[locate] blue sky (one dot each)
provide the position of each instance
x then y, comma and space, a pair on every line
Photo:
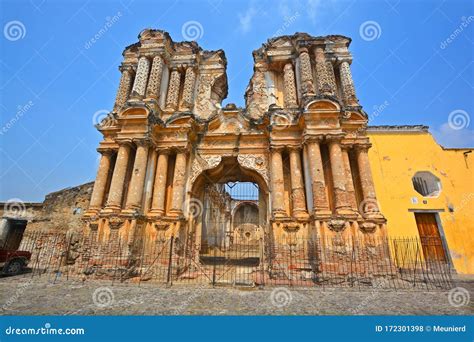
405, 68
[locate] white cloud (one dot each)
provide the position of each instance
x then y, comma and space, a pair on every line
313, 8
448, 137
246, 19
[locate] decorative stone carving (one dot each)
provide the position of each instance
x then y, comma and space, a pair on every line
154, 83
202, 163
161, 225
290, 87
331, 77
188, 90
321, 73
347, 84
173, 90
124, 87
291, 227
139, 85
115, 222
367, 227
337, 225
306, 74
257, 163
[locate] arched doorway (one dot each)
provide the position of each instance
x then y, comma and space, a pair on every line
233, 215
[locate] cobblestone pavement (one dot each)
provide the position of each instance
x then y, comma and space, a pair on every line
40, 296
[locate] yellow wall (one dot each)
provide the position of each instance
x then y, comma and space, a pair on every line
395, 157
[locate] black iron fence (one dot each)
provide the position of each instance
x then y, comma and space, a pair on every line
346, 262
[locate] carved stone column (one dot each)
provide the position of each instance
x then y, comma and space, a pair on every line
159, 187
290, 87
338, 175
150, 177
350, 190
188, 89
179, 181
347, 84
323, 82
124, 87
114, 202
318, 183
297, 185
173, 90
154, 82
137, 182
100, 184
306, 73
141, 79
369, 205
331, 76
278, 189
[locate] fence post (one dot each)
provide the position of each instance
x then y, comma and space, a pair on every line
262, 263
214, 267
414, 268
169, 280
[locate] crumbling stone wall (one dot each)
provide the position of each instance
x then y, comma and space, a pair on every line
61, 211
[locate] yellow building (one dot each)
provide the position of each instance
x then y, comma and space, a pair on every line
425, 190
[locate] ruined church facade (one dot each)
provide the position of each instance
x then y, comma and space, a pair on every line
170, 150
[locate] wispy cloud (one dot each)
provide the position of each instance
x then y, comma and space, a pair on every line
316, 11
246, 19
313, 7
448, 137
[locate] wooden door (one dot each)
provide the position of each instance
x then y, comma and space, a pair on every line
431, 242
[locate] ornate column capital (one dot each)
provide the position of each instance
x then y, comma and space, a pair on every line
142, 142
362, 146
303, 49
334, 137
126, 67
307, 139
288, 66
124, 142
181, 149
277, 148
346, 146
294, 148
106, 151
163, 150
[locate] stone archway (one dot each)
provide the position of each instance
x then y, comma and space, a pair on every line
216, 195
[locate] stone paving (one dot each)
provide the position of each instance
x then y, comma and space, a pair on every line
40, 296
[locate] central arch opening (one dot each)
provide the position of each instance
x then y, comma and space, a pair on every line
233, 218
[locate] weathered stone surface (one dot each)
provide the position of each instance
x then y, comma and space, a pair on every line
41, 297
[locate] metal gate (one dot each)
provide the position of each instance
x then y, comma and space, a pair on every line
232, 230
